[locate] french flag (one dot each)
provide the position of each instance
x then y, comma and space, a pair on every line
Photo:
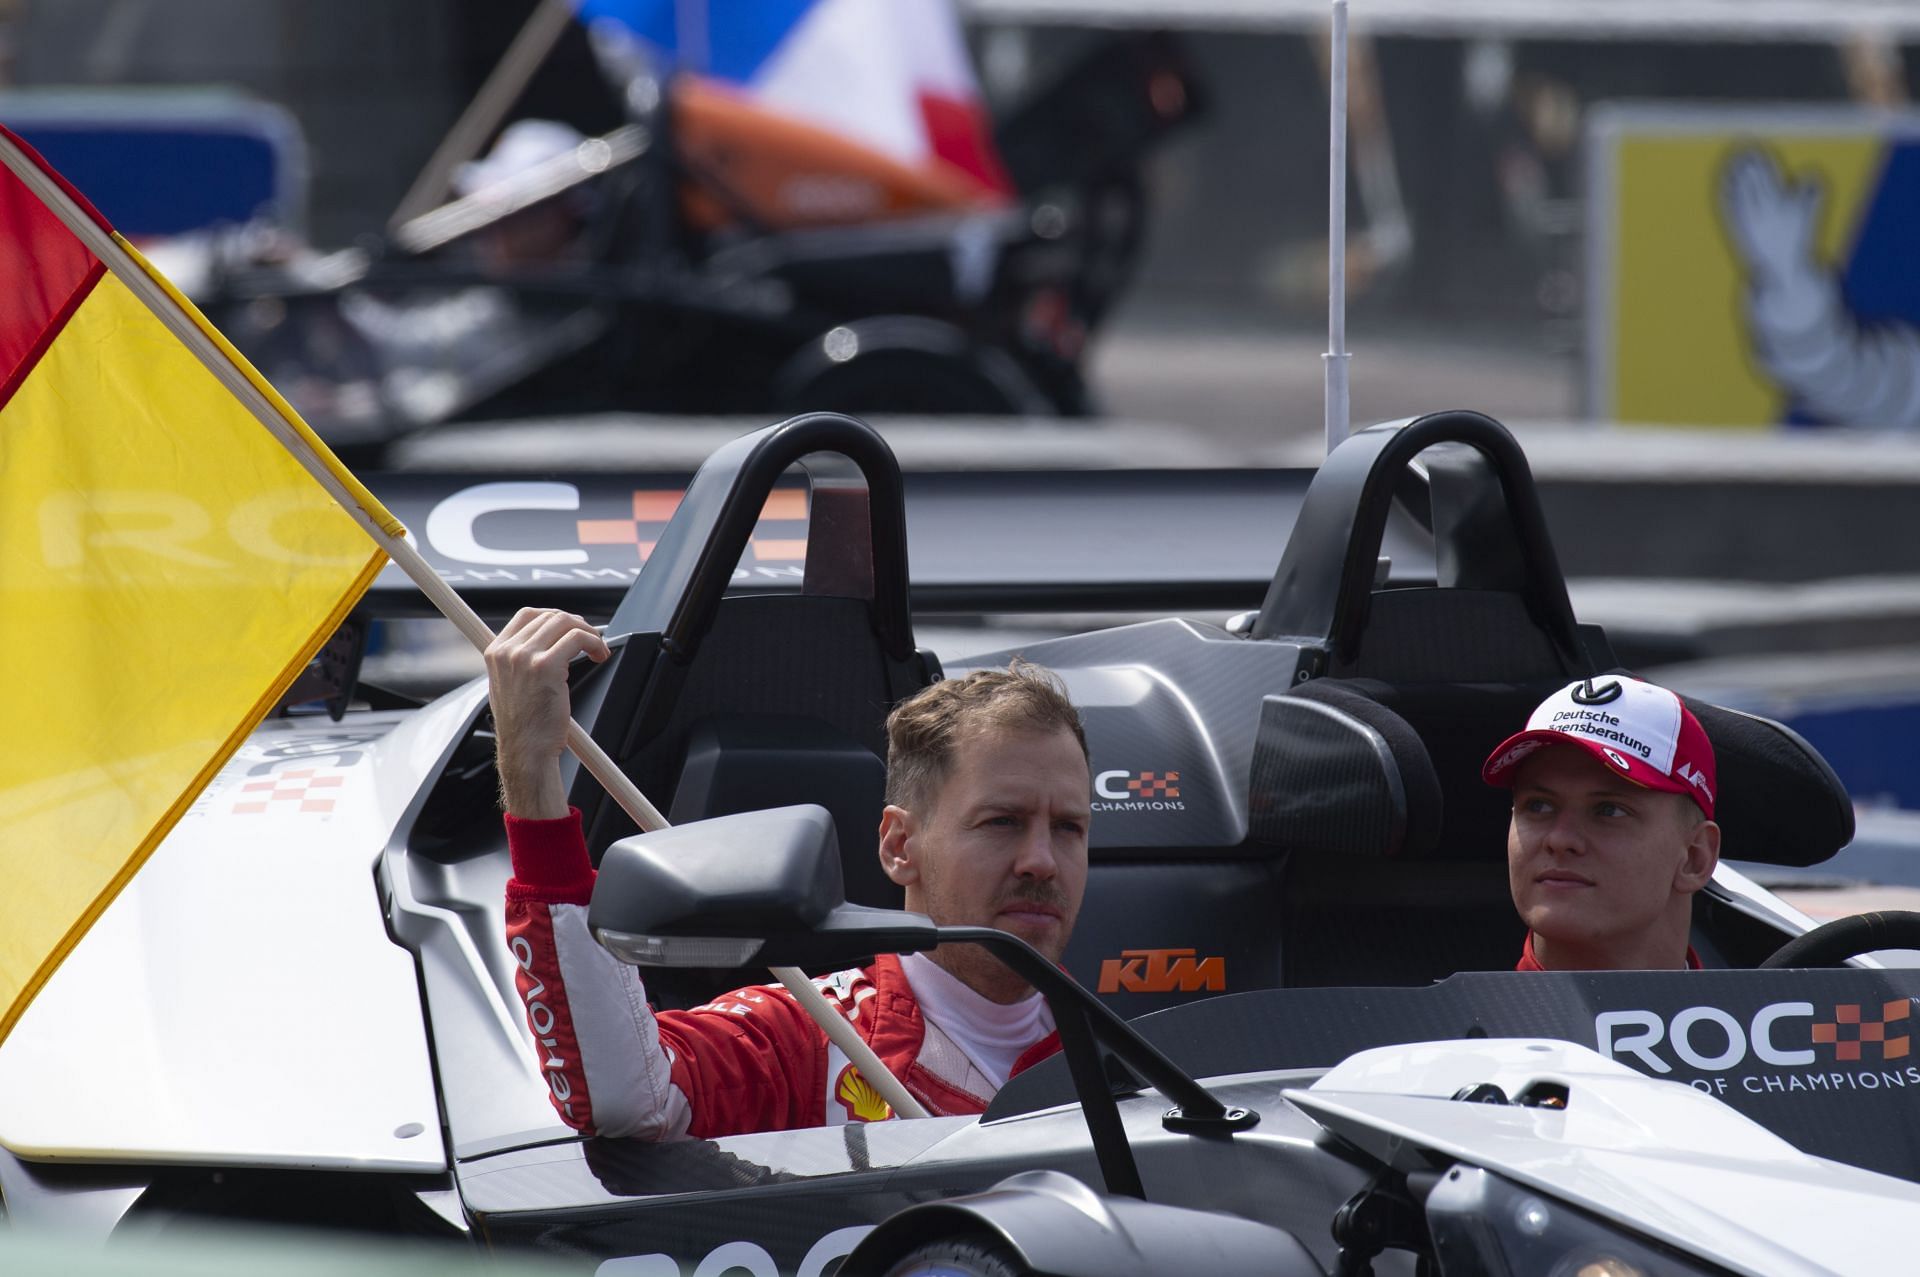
892, 75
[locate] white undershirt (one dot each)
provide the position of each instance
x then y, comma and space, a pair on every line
991, 1034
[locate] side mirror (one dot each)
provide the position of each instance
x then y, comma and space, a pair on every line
760, 887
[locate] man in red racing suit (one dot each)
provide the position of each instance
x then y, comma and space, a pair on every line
985, 825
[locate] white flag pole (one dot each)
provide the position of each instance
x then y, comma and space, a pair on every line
602, 768
1337, 357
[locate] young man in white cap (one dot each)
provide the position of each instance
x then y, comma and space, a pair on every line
1612, 832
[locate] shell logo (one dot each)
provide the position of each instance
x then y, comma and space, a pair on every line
859, 1099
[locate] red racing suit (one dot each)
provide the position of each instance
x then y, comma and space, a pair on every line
751, 1060
1530, 963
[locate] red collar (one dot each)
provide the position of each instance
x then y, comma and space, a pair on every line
1530, 963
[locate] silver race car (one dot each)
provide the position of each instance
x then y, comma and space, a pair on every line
1294, 1041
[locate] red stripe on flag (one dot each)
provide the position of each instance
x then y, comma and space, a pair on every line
46, 270
48, 331
959, 133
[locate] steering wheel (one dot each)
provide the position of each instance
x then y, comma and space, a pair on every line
1832, 943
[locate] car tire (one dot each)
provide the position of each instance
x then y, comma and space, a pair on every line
960, 1258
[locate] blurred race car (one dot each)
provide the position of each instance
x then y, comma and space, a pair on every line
713, 256
302, 1009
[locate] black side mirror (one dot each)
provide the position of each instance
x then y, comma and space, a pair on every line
760, 887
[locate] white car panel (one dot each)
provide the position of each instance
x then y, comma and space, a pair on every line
241, 1002
1660, 1157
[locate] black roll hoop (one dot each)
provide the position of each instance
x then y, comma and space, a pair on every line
1319, 599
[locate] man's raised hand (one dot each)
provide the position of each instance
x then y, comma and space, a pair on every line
527, 677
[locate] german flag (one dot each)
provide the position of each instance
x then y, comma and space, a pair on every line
175, 545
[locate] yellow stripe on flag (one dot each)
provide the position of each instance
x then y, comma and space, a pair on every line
365, 499
167, 568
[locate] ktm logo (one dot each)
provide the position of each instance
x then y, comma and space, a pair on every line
1162, 971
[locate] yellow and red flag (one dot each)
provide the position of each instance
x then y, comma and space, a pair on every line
174, 546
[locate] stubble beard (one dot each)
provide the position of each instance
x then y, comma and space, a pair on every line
983, 971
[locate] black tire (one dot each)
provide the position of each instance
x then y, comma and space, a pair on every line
957, 1258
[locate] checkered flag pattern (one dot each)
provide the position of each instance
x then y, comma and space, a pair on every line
1155, 785
1849, 1029
303, 789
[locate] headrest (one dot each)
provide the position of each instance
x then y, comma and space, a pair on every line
1779, 802
1364, 767
1336, 771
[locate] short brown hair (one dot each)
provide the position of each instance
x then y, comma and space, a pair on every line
923, 729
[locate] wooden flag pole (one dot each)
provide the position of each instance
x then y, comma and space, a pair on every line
231, 370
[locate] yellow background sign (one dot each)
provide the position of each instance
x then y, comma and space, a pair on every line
1718, 245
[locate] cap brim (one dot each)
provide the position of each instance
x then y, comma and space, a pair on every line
1511, 752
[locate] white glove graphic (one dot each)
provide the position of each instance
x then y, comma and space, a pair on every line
1802, 333
1772, 221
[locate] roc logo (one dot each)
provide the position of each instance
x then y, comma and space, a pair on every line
1162, 971
771, 543
302, 789
1135, 791
859, 1099
1712, 1040
1847, 1031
